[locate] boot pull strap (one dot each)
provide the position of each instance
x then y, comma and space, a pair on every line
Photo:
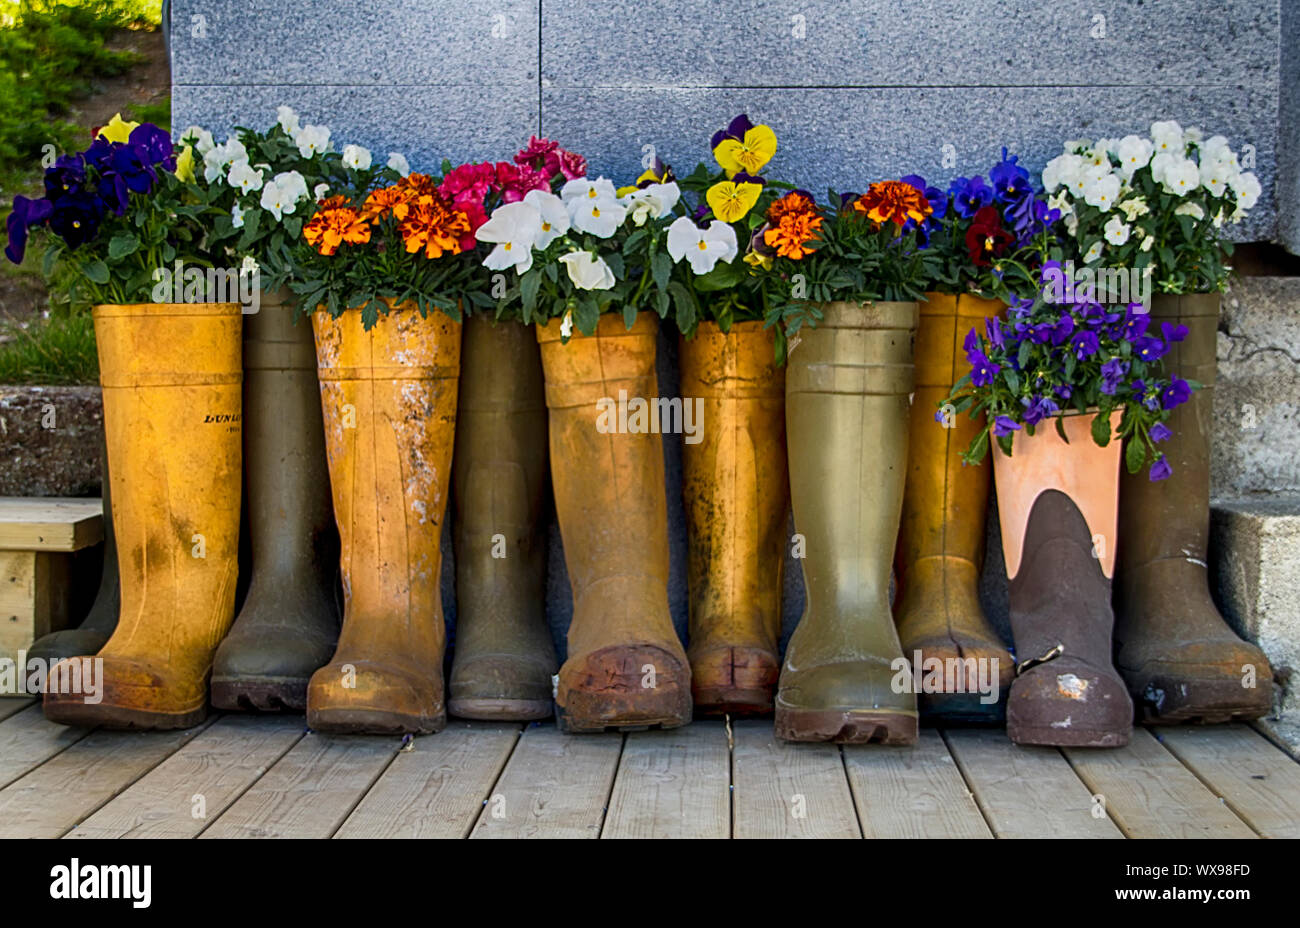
1033, 662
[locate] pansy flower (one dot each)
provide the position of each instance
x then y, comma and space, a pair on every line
731, 200
743, 146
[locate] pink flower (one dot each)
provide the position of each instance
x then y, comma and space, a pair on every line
473, 210
538, 153
468, 183
514, 181
572, 165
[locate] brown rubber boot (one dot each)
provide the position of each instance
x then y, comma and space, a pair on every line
504, 657
289, 623
847, 385
389, 402
736, 492
626, 667
171, 380
1180, 659
96, 628
941, 537
1057, 506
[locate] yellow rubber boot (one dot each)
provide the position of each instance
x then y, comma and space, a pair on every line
172, 403
737, 497
941, 538
389, 402
626, 667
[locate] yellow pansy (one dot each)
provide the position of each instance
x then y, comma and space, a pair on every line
754, 259
730, 201
118, 129
185, 165
748, 154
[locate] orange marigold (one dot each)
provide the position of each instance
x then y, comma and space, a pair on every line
335, 224
395, 200
434, 225
893, 201
796, 202
793, 220
422, 185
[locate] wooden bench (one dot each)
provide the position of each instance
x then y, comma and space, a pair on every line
37, 539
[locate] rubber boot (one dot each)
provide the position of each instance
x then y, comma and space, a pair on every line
389, 402
736, 490
94, 631
504, 657
289, 623
171, 381
625, 668
1179, 657
847, 392
1057, 507
941, 538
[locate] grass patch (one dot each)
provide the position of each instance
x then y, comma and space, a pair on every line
54, 351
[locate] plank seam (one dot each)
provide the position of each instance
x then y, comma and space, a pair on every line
609, 792
240, 795
371, 785
1208, 785
986, 814
84, 733
474, 820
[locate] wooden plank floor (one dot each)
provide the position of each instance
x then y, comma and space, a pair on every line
251, 776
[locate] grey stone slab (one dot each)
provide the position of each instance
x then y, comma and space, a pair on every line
809, 43
1289, 131
426, 123
849, 137
469, 43
1257, 395
1255, 569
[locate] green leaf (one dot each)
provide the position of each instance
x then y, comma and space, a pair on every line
629, 315
529, 285
1060, 429
661, 267
1101, 429
722, 277
97, 271
1135, 455
615, 262
121, 245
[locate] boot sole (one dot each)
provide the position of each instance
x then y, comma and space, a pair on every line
78, 713
1067, 737
354, 721
737, 701
1203, 702
501, 710
264, 694
846, 726
575, 725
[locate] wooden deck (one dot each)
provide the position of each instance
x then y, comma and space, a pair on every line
248, 776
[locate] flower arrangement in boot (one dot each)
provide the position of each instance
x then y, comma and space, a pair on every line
1157, 202
989, 237
117, 214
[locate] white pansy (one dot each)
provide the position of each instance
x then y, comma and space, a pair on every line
276, 200
514, 228
1134, 207
1097, 156
554, 217
319, 193
566, 324
1167, 137
1190, 209
1060, 201
312, 140
702, 248
1247, 190
1061, 170
1182, 177
582, 187
1215, 176
287, 119
1192, 135
249, 265
1147, 243
356, 157
1217, 221
1116, 231
397, 161
293, 184
651, 202
237, 216
1134, 154
1102, 192
1072, 224
219, 159
593, 206
587, 271
1077, 146
201, 139
1093, 253
244, 178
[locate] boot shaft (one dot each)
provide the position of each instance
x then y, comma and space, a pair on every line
172, 406
294, 541
1171, 518
847, 388
388, 398
613, 508
735, 484
945, 503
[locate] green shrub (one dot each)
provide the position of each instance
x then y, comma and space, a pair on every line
52, 351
